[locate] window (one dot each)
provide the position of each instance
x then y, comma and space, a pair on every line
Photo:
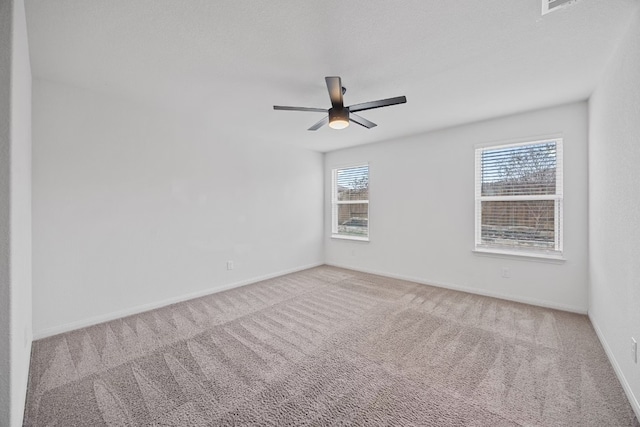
519, 198
350, 203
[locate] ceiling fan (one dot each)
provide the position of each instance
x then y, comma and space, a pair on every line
338, 115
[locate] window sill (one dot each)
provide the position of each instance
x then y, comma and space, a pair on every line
343, 237
533, 256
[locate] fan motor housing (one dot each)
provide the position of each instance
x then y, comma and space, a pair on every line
338, 118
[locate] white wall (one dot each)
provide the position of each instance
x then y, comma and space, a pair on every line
15, 211
422, 211
135, 207
614, 209
6, 25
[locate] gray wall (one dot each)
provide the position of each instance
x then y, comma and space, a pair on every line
5, 205
421, 211
614, 209
135, 206
15, 211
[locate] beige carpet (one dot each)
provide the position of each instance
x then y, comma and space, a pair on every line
328, 346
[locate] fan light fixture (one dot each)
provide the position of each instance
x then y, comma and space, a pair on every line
338, 119
339, 115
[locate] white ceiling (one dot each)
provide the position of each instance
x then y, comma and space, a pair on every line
456, 61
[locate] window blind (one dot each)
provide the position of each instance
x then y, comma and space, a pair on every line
350, 202
519, 196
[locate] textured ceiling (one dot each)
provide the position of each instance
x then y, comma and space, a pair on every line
456, 61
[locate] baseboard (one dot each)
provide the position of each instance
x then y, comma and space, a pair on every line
67, 327
531, 301
616, 367
18, 407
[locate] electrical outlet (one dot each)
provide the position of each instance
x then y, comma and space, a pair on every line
229, 265
506, 273
634, 350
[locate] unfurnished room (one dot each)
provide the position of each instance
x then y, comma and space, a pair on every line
369, 213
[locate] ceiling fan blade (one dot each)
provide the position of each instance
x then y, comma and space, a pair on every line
334, 85
377, 104
321, 123
361, 121
318, 110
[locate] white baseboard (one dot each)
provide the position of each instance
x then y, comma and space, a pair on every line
515, 298
17, 406
616, 367
67, 327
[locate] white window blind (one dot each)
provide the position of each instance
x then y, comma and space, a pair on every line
350, 202
519, 197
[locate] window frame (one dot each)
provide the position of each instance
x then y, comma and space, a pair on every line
335, 203
557, 253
